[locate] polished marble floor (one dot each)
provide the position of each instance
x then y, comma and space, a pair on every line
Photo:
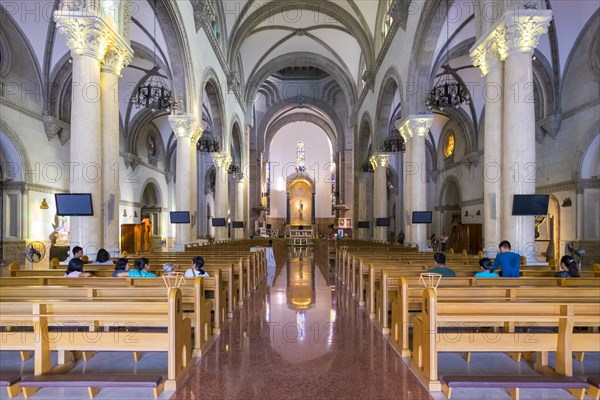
295, 339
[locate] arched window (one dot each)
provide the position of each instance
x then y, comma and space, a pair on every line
449, 144
388, 20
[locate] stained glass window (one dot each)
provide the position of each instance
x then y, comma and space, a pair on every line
450, 143
388, 20
300, 156
333, 188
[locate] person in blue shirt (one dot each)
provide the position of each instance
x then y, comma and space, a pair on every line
486, 269
141, 266
440, 266
507, 260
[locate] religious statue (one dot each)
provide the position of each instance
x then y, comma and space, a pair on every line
300, 210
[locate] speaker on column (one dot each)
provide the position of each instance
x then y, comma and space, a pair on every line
492, 205
110, 208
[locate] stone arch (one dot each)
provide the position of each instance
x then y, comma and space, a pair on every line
592, 23
365, 138
451, 186
244, 29
19, 156
237, 141
581, 152
387, 109
212, 96
151, 194
297, 117
309, 102
300, 59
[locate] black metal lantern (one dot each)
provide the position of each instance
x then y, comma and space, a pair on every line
208, 144
394, 143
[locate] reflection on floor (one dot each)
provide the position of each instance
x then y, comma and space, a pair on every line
299, 338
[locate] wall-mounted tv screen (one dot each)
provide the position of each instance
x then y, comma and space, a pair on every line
219, 222
74, 204
382, 222
530, 204
421, 217
180, 217
238, 224
363, 224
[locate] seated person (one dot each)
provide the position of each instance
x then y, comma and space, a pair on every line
196, 270
103, 258
509, 261
121, 268
141, 265
77, 253
440, 266
486, 269
568, 268
75, 269
168, 268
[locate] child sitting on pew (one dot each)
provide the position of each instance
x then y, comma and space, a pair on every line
142, 265
75, 269
196, 270
487, 269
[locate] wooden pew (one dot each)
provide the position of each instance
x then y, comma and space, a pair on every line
438, 313
195, 303
166, 312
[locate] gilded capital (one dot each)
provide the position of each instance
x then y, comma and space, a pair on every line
416, 125
116, 58
379, 160
221, 160
85, 36
186, 126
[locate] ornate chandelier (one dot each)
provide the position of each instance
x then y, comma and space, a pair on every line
208, 144
447, 91
154, 92
394, 143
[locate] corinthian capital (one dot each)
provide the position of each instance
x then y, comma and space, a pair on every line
221, 160
186, 126
85, 36
379, 160
524, 28
117, 57
485, 55
416, 125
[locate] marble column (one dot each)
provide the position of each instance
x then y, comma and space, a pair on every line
238, 233
363, 178
117, 57
522, 29
485, 55
380, 163
222, 161
88, 38
188, 130
416, 128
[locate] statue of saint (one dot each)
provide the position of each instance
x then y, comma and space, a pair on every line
300, 209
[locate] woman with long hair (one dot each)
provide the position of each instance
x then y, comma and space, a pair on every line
568, 268
141, 267
197, 269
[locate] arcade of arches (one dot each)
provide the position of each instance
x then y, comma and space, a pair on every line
281, 113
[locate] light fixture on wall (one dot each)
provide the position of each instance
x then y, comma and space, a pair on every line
125, 212
447, 91
478, 212
44, 205
154, 92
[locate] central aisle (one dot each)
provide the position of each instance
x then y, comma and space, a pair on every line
300, 339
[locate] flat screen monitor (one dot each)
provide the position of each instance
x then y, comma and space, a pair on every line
421, 217
530, 204
363, 224
180, 217
74, 204
382, 222
238, 224
219, 222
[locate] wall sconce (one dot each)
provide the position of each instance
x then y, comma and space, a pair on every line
135, 214
567, 202
125, 212
478, 212
44, 205
466, 213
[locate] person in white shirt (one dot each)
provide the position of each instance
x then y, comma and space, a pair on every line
196, 270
